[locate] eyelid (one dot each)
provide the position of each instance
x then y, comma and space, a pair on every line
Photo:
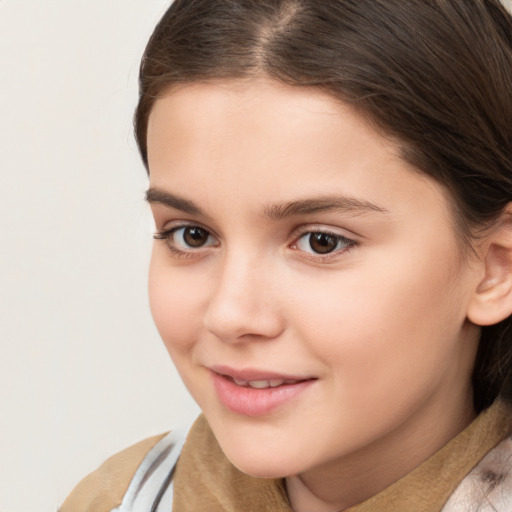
298, 233
166, 233
324, 228
173, 225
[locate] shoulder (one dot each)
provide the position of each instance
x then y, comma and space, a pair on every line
104, 488
488, 487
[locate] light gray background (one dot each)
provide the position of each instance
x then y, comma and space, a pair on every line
82, 370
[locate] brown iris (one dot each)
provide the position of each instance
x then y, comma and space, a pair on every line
195, 237
323, 243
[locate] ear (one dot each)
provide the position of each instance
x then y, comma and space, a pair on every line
492, 300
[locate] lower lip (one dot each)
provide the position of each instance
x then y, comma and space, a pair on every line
255, 402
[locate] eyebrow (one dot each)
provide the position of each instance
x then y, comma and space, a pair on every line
275, 212
158, 196
322, 204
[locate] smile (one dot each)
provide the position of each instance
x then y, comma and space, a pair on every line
262, 384
255, 395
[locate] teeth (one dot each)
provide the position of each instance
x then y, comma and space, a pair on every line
259, 384
262, 384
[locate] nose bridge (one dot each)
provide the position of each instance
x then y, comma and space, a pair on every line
241, 304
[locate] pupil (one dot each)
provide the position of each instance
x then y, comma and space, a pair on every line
195, 237
322, 243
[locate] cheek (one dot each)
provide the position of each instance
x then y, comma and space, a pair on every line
175, 305
389, 321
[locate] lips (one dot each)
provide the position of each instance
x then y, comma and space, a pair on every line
254, 375
262, 384
254, 392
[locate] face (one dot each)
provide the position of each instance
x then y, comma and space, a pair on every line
306, 282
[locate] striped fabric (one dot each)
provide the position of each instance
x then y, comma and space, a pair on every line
151, 488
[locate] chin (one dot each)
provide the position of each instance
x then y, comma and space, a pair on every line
262, 448
262, 462
259, 469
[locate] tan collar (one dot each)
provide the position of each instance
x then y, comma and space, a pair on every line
206, 481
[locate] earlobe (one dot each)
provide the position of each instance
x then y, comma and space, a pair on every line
492, 300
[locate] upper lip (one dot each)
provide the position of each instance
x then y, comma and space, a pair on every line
253, 374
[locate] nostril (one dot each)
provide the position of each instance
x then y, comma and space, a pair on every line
241, 309
235, 325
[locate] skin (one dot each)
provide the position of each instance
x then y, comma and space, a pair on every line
380, 322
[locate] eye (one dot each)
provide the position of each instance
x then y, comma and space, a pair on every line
192, 237
186, 238
320, 242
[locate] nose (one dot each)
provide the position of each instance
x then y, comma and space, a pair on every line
244, 304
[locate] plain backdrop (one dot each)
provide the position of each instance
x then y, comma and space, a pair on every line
83, 372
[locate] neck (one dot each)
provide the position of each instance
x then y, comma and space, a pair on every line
355, 477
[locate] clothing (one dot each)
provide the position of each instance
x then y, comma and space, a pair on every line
473, 472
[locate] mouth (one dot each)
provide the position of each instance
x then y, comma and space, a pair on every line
258, 379
262, 384
254, 392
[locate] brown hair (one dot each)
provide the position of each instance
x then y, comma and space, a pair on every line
434, 74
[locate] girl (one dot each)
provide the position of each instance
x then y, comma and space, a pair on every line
331, 183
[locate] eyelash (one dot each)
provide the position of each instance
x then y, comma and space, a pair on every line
347, 243
167, 236
302, 233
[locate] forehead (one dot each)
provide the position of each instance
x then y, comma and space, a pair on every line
275, 142
258, 101
263, 117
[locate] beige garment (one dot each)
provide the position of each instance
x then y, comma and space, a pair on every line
205, 481
103, 490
